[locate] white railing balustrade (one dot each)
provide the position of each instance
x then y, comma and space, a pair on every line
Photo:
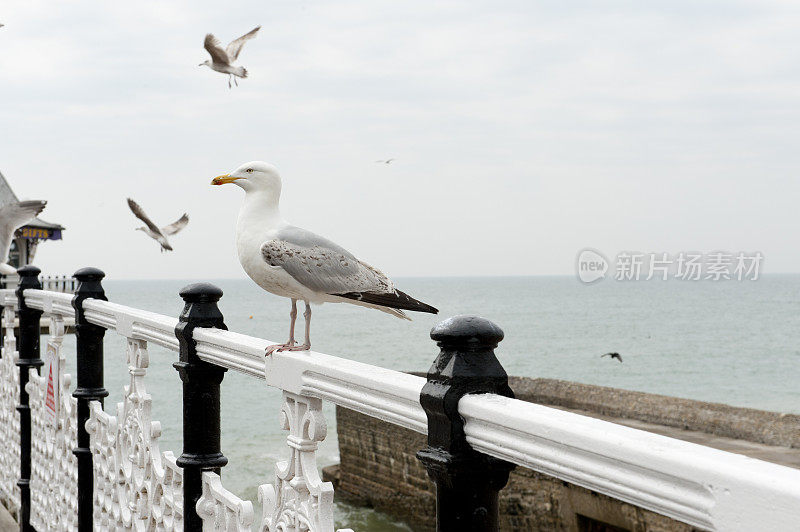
9, 399
54, 468
56, 283
222, 510
139, 487
299, 499
50, 283
136, 485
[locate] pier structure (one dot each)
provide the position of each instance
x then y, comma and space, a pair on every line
69, 464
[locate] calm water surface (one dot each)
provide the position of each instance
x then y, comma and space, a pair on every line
729, 342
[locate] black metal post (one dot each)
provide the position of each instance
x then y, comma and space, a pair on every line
89, 339
29, 357
201, 405
467, 482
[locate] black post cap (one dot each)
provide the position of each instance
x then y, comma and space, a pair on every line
465, 330
28, 271
89, 274
201, 293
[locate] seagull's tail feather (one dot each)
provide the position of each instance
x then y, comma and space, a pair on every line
397, 300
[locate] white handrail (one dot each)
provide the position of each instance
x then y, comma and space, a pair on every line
132, 322
704, 487
382, 393
59, 303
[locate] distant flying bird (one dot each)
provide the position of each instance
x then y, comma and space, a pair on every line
292, 262
384, 161
612, 355
12, 217
153, 231
222, 59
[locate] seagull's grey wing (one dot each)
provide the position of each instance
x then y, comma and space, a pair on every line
214, 47
321, 265
176, 226
139, 213
235, 46
14, 216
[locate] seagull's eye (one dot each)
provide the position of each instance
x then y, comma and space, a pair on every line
249, 170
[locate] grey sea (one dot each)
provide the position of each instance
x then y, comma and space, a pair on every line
730, 342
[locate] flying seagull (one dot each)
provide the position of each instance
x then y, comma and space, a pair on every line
384, 161
612, 355
12, 217
153, 231
222, 59
292, 262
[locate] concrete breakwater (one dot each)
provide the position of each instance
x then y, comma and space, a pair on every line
379, 467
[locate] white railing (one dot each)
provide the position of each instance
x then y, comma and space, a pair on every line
700, 486
54, 468
137, 487
52, 283
9, 420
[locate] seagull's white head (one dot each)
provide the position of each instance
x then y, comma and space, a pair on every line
255, 176
206, 63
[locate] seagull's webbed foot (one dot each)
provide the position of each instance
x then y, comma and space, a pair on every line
277, 348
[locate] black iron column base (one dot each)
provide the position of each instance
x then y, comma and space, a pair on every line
201, 398
29, 357
89, 339
467, 482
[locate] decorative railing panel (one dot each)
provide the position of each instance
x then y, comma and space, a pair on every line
137, 487
299, 499
54, 468
222, 510
9, 418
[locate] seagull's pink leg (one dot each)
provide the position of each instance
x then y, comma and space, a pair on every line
306, 345
292, 317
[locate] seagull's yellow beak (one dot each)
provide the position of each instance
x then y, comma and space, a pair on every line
224, 178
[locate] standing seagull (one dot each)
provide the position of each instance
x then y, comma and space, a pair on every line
613, 356
292, 262
222, 59
12, 217
153, 231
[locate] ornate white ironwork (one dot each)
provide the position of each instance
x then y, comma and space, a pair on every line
137, 487
221, 510
54, 468
9, 417
299, 500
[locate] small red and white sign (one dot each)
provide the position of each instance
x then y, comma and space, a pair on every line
52, 372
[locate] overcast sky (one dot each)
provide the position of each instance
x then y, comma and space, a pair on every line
522, 131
